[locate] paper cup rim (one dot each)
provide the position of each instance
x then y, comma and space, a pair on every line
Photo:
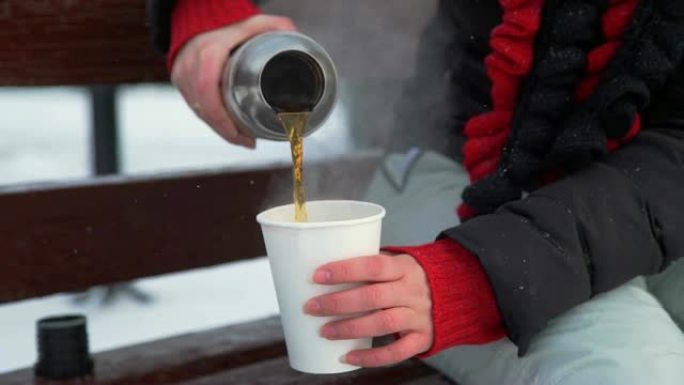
312, 225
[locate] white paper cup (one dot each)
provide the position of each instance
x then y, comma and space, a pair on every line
336, 230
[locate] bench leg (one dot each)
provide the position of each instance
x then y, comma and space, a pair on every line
105, 136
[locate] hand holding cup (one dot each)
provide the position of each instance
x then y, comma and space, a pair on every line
395, 299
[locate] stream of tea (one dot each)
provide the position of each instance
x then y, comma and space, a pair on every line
294, 124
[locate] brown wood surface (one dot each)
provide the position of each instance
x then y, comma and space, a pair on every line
251, 353
433, 379
62, 42
71, 237
183, 357
277, 372
55, 42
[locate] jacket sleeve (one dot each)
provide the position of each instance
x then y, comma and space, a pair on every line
159, 14
585, 234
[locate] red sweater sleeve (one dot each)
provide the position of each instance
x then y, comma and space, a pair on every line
192, 17
464, 309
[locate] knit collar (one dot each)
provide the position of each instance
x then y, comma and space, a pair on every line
569, 78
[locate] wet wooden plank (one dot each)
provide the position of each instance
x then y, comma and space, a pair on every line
277, 372
58, 42
70, 237
433, 379
183, 357
246, 354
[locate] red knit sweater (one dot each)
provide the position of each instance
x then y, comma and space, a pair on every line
463, 306
464, 311
192, 17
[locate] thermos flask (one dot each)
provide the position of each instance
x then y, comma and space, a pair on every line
279, 72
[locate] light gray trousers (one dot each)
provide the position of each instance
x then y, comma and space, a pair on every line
630, 335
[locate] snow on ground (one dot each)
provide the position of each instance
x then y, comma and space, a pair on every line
182, 302
44, 136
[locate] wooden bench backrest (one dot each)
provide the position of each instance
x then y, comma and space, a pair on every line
70, 237
246, 354
70, 42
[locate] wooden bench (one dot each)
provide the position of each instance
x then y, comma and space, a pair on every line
57, 238
250, 353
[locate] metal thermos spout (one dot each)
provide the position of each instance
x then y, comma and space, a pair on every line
279, 72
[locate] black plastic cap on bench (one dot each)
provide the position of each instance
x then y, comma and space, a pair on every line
63, 351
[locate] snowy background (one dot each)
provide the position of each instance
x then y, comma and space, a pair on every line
45, 137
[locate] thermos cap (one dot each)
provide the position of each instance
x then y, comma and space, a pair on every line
63, 351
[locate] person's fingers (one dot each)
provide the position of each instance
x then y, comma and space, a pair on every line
379, 323
248, 141
198, 69
402, 349
375, 268
208, 101
226, 130
181, 78
359, 299
259, 24
215, 116
245, 141
242, 138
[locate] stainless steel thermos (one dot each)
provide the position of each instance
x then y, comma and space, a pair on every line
279, 72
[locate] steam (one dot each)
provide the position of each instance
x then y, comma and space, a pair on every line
390, 57
393, 80
328, 179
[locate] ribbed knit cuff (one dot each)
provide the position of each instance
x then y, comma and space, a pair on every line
464, 309
192, 17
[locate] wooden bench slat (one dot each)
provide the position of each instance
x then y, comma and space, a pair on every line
251, 353
192, 355
59, 42
182, 357
433, 379
71, 237
278, 372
